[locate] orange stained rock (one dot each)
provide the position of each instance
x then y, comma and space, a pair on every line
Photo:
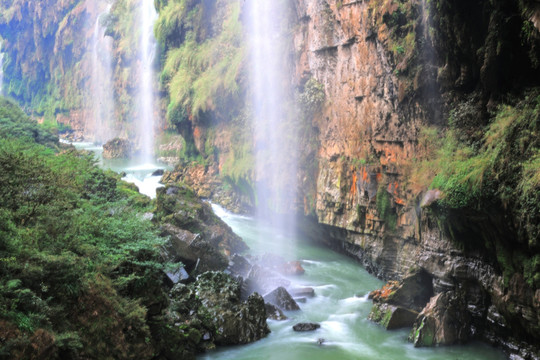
364, 175
353, 186
383, 293
197, 132
393, 188
379, 177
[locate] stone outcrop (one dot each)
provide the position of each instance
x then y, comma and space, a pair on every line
206, 183
443, 322
197, 237
282, 299
210, 312
397, 304
118, 148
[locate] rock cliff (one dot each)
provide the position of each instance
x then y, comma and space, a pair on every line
382, 89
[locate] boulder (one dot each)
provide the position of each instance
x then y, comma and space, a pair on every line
236, 322
413, 292
213, 303
239, 265
302, 292
192, 250
392, 317
282, 299
444, 321
195, 231
117, 148
306, 327
274, 313
158, 172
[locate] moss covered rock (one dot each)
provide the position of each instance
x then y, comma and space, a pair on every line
118, 148
194, 228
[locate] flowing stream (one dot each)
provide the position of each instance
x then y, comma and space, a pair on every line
135, 172
340, 306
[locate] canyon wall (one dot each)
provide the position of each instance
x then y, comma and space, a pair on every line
383, 90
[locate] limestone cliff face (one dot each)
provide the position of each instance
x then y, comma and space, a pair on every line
367, 138
363, 136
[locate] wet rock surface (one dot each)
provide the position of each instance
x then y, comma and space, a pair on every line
392, 317
206, 183
197, 237
212, 313
442, 322
282, 299
306, 327
274, 313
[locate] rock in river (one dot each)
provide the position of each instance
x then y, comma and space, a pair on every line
306, 327
282, 299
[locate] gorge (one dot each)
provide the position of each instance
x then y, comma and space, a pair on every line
402, 133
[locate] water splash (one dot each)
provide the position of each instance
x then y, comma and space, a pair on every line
147, 51
275, 139
101, 128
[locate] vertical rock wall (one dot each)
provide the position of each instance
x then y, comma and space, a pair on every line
364, 136
367, 138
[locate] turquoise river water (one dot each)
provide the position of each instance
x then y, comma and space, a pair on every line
340, 304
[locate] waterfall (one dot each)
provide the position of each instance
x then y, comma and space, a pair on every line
275, 139
1, 70
429, 90
148, 45
102, 95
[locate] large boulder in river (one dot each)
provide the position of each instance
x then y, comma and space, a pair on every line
282, 299
236, 322
210, 312
444, 321
391, 316
397, 304
413, 292
117, 148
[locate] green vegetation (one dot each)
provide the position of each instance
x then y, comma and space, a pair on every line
238, 169
201, 70
14, 123
79, 265
43, 54
122, 27
402, 21
384, 208
312, 98
500, 171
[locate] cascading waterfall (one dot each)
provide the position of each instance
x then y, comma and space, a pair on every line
1, 70
148, 45
101, 128
429, 91
275, 140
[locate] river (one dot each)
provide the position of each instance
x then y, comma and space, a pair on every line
340, 304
